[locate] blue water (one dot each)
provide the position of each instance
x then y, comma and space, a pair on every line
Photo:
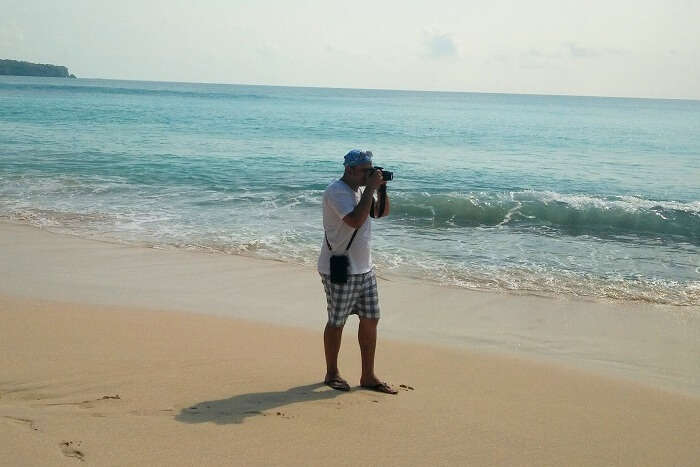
586, 196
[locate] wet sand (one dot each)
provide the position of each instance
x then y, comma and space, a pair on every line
102, 359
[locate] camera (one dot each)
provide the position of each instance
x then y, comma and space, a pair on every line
386, 175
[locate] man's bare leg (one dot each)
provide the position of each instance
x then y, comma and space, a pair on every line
367, 337
332, 336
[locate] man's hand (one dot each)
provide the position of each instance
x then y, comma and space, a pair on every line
375, 180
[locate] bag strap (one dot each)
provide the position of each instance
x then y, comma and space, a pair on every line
351, 239
349, 243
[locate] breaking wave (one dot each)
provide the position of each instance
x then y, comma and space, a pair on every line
572, 213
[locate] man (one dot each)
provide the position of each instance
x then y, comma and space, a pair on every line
346, 207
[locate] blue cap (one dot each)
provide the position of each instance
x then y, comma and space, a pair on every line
357, 157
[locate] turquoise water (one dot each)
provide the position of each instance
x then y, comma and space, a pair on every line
585, 196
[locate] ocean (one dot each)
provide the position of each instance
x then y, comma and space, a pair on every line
547, 195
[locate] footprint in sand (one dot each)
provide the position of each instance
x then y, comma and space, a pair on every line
87, 404
25, 421
68, 448
116, 396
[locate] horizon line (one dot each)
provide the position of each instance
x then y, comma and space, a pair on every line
342, 88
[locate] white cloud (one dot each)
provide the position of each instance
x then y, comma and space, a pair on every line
439, 44
577, 51
556, 55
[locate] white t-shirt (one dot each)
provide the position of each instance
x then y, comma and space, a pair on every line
338, 201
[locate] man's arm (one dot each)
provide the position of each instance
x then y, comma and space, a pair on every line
387, 203
359, 215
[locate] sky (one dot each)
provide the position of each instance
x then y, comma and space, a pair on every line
624, 48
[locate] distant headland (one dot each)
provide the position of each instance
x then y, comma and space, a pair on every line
18, 68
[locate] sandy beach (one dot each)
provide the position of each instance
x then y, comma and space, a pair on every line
122, 355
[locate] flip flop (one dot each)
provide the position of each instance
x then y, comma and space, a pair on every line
338, 383
382, 387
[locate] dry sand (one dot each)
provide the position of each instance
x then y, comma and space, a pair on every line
100, 370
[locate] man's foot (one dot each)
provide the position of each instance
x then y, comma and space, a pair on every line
379, 386
336, 382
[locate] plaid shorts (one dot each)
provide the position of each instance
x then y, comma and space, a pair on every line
358, 296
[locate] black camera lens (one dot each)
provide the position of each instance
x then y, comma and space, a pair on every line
386, 175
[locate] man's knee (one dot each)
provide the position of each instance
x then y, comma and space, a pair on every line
335, 327
369, 322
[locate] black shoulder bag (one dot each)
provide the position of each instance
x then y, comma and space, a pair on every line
340, 264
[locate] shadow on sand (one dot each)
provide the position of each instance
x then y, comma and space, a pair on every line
235, 409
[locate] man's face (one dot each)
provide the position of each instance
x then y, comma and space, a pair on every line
361, 173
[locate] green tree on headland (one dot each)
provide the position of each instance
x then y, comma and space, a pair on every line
18, 68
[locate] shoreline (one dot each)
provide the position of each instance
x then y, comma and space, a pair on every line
389, 274
652, 344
